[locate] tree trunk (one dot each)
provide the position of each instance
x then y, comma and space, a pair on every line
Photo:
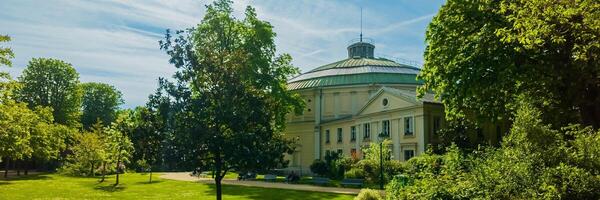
6, 165
217, 175
117, 170
17, 167
92, 170
103, 171
26, 167
150, 174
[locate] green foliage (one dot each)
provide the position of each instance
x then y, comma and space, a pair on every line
52, 83
117, 144
100, 101
48, 140
5, 53
234, 96
482, 57
371, 165
15, 120
147, 137
368, 194
88, 152
356, 173
319, 167
534, 162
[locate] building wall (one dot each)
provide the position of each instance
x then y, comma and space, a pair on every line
340, 107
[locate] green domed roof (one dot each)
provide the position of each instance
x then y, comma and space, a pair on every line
356, 70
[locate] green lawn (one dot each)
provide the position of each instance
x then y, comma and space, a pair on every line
136, 186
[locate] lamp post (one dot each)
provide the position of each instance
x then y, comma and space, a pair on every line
381, 136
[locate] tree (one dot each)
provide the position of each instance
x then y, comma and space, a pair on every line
483, 57
118, 145
47, 139
52, 83
231, 68
16, 121
88, 151
100, 102
147, 137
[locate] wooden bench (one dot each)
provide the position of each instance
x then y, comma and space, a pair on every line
270, 177
320, 180
352, 181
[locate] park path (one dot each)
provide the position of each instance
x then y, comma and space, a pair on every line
185, 176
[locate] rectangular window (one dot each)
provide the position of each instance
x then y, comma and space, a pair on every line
340, 152
327, 136
327, 153
352, 133
367, 127
408, 126
339, 135
386, 128
437, 124
408, 154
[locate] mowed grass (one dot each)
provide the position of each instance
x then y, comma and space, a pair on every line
136, 186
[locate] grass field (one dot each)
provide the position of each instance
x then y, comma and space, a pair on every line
136, 186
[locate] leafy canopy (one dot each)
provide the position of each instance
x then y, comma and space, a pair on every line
237, 90
52, 83
483, 57
100, 101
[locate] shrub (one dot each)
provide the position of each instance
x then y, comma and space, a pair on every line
319, 167
354, 173
534, 162
368, 194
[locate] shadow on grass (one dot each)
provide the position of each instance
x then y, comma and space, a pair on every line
110, 188
28, 177
147, 183
269, 193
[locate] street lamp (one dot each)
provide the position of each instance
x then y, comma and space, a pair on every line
381, 137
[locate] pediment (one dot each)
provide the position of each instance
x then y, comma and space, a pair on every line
388, 99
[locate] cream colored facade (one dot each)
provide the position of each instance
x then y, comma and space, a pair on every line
349, 103
347, 119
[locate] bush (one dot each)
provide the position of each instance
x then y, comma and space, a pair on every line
319, 167
534, 162
368, 194
354, 173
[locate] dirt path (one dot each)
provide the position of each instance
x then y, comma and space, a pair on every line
185, 176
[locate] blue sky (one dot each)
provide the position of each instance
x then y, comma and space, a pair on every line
116, 42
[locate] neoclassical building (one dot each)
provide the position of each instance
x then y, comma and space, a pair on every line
351, 103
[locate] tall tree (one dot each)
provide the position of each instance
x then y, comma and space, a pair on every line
100, 102
16, 121
118, 144
484, 57
52, 83
231, 67
147, 136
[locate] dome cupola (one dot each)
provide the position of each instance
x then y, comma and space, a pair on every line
361, 49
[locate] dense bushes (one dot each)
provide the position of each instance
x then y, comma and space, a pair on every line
333, 166
534, 162
368, 194
319, 167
